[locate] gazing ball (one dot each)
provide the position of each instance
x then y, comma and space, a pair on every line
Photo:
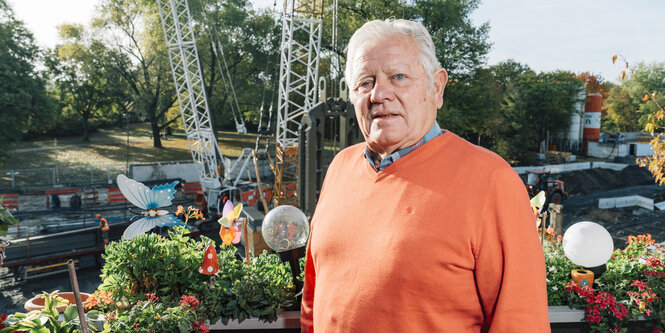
285, 228
587, 244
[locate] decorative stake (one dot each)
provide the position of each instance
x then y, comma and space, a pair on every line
246, 239
77, 295
210, 266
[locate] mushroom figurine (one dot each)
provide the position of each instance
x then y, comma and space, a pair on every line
210, 266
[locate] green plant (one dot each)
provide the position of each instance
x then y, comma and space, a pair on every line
6, 219
632, 287
46, 320
558, 272
168, 269
152, 316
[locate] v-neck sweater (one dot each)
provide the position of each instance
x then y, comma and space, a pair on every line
442, 240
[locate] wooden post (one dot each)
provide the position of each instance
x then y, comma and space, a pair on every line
543, 218
556, 217
77, 295
245, 239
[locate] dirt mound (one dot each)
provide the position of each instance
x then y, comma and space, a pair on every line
634, 175
599, 179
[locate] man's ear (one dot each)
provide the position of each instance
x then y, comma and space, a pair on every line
440, 81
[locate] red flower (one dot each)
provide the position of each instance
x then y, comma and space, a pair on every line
189, 301
199, 326
152, 298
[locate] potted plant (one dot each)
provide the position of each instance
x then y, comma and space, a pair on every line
6, 219
48, 318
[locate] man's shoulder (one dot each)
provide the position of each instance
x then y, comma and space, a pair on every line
465, 153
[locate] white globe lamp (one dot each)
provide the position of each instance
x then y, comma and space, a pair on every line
588, 244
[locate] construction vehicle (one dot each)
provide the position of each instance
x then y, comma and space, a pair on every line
537, 181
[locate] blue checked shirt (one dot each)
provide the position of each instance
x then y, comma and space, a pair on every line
370, 155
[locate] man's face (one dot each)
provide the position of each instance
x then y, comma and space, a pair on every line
394, 99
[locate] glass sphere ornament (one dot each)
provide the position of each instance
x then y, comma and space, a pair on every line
285, 228
588, 244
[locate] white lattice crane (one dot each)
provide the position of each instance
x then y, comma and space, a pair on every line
298, 82
187, 75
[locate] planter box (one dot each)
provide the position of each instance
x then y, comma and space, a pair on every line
562, 320
288, 321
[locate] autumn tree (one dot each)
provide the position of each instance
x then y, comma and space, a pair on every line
649, 81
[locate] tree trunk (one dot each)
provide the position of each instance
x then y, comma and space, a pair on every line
86, 137
156, 140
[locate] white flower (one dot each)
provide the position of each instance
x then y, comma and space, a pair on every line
547, 280
552, 268
555, 288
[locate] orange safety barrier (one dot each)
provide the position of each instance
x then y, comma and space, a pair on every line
60, 191
115, 196
10, 201
191, 188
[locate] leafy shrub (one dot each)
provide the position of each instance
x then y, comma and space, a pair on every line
168, 269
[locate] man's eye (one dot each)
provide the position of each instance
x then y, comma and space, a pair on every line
365, 84
399, 76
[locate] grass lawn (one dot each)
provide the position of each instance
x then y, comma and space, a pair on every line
107, 149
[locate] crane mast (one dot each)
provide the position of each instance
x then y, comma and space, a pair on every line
188, 78
298, 81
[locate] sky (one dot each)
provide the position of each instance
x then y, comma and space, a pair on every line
547, 35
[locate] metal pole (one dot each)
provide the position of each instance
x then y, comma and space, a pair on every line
77, 295
54, 175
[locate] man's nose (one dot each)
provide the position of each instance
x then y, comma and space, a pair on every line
382, 91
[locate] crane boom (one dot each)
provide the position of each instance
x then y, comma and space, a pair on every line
187, 75
298, 81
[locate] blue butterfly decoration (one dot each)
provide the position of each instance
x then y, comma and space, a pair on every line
150, 200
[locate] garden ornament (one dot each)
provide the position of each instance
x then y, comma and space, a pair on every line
150, 200
229, 231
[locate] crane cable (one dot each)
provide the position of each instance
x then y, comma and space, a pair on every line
215, 40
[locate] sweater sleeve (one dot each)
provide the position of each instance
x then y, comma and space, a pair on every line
510, 265
306, 309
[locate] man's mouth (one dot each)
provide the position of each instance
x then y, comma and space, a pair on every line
378, 116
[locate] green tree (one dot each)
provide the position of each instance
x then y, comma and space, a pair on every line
622, 111
85, 85
479, 118
131, 31
537, 105
24, 101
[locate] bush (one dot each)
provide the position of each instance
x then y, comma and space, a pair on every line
168, 269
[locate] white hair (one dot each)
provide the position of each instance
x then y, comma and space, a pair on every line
379, 30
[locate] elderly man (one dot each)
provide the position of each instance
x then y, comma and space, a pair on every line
417, 230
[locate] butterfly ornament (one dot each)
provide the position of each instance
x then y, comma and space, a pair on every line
229, 232
150, 200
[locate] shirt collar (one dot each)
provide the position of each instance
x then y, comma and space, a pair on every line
371, 156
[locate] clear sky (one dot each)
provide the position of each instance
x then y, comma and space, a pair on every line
544, 34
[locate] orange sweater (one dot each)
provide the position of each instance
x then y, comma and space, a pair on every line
442, 240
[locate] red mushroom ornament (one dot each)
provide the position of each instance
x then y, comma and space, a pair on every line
210, 266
